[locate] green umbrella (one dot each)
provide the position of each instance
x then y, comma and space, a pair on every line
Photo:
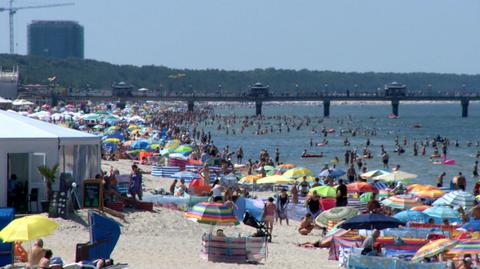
366, 197
324, 191
184, 148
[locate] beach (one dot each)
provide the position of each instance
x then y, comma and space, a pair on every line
164, 238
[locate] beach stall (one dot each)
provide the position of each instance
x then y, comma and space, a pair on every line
26, 144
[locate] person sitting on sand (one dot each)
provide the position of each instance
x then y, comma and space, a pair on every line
45, 261
368, 244
36, 254
306, 225
220, 233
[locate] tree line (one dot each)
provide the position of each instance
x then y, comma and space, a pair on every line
81, 74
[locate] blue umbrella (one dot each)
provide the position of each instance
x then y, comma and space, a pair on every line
442, 212
334, 172
472, 226
140, 144
411, 215
371, 221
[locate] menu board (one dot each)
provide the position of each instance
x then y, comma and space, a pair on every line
93, 193
58, 205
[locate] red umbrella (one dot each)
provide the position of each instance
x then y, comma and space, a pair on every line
361, 187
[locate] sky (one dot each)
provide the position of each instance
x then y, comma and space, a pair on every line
340, 35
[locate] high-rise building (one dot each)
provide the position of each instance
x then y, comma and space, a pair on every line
56, 39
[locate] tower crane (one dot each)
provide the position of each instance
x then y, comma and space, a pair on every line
13, 10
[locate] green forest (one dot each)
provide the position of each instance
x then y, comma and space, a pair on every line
78, 73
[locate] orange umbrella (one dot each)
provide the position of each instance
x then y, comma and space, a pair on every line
429, 194
420, 207
287, 166
361, 187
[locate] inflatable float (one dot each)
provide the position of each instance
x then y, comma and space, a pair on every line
309, 155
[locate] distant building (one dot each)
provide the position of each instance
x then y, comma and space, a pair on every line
8, 83
259, 90
395, 89
122, 89
56, 39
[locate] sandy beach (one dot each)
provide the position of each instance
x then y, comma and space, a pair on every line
165, 239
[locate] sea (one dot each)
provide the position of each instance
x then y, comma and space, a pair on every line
443, 119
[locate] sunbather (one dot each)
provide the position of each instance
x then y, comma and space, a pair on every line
306, 225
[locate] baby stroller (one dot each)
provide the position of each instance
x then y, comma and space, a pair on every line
262, 231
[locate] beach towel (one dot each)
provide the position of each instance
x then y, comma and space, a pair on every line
345, 242
356, 261
394, 246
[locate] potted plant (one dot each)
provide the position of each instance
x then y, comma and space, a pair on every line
49, 175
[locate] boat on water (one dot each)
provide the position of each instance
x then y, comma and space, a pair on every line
311, 155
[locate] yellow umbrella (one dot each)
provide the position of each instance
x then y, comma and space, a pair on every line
287, 166
111, 140
429, 194
276, 179
28, 228
298, 172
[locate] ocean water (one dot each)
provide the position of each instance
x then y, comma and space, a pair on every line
442, 119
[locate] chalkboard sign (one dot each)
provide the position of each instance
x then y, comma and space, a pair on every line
93, 193
58, 205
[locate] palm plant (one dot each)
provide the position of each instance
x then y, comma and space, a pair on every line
50, 174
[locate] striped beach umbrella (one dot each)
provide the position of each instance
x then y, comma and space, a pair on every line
434, 248
212, 213
443, 212
457, 199
401, 202
466, 246
335, 214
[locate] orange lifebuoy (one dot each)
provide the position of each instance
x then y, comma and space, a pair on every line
20, 253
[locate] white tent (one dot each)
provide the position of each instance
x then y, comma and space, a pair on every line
26, 143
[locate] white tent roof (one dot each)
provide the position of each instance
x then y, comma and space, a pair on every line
17, 127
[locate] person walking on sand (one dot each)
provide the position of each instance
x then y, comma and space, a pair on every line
269, 214
282, 206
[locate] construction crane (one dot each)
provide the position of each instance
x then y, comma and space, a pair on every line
12, 10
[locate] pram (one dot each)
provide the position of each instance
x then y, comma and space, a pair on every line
262, 231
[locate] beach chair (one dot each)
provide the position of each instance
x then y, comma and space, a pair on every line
233, 249
104, 234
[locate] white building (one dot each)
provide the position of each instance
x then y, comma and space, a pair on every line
26, 144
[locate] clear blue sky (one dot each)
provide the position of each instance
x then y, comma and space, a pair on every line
343, 35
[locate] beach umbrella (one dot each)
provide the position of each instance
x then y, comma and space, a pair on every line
442, 212
212, 213
411, 215
111, 140
139, 144
177, 156
371, 221
91, 117
401, 202
471, 226
298, 172
335, 214
433, 248
432, 194
275, 179
420, 207
249, 179
324, 191
361, 187
396, 176
457, 199
287, 166
466, 246
366, 197
172, 144
334, 173
28, 228
183, 149
420, 187
373, 173
380, 185
133, 127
